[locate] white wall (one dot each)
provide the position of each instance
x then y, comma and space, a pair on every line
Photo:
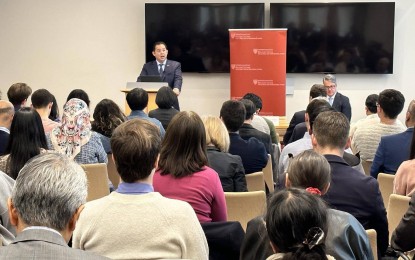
98, 45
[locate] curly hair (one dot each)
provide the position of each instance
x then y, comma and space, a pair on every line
107, 116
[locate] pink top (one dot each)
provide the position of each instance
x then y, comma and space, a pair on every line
202, 190
404, 182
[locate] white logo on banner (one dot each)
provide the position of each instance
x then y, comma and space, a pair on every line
255, 81
255, 51
233, 66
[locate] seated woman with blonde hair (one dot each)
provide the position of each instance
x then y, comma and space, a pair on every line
229, 167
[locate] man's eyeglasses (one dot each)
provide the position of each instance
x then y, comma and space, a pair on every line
330, 87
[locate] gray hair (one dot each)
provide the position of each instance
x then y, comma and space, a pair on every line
48, 191
331, 78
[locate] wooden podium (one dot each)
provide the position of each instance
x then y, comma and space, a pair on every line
150, 87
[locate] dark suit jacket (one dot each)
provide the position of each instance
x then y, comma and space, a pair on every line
172, 74
163, 115
358, 194
298, 132
247, 131
391, 152
4, 139
230, 169
42, 244
403, 238
298, 117
252, 152
342, 104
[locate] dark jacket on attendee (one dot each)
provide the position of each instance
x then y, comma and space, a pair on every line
163, 115
298, 117
403, 238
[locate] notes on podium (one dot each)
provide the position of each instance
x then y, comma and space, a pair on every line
150, 87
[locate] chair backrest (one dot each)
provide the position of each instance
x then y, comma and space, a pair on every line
371, 233
366, 166
255, 181
244, 206
386, 186
112, 172
268, 175
97, 180
397, 207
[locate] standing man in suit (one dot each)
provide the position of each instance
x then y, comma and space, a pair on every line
170, 71
338, 101
350, 190
47, 199
6, 117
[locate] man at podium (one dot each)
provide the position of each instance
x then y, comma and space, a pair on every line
169, 71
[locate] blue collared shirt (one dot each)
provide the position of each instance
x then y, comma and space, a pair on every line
136, 188
142, 115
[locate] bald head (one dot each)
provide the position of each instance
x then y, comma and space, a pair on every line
410, 115
6, 113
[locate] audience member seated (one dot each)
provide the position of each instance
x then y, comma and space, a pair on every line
404, 182
54, 111
296, 224
258, 121
371, 110
42, 101
6, 118
346, 238
47, 199
165, 99
137, 100
107, 116
134, 222
317, 90
18, 94
229, 167
403, 238
79, 94
394, 149
183, 173
366, 138
27, 139
350, 190
7, 231
75, 138
252, 151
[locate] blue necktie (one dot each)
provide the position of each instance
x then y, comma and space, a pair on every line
331, 101
161, 70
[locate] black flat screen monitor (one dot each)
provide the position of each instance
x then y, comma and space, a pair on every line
337, 37
150, 78
197, 34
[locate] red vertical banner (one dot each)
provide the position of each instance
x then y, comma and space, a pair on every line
258, 60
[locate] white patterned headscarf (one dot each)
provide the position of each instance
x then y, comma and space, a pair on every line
75, 130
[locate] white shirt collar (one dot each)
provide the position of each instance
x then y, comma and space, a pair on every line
2, 128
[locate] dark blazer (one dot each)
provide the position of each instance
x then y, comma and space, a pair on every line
230, 169
403, 238
247, 131
252, 152
42, 244
4, 139
358, 194
163, 115
298, 117
342, 104
391, 152
298, 132
172, 74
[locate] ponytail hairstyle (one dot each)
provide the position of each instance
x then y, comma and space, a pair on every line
296, 224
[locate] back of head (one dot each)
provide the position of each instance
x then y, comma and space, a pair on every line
315, 107
309, 170
41, 98
254, 98
79, 94
318, 90
331, 129
296, 223
183, 151
165, 98
391, 101
6, 112
49, 190
135, 145
233, 114
107, 116
249, 108
411, 114
54, 111
216, 133
18, 92
27, 136
137, 99
371, 103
